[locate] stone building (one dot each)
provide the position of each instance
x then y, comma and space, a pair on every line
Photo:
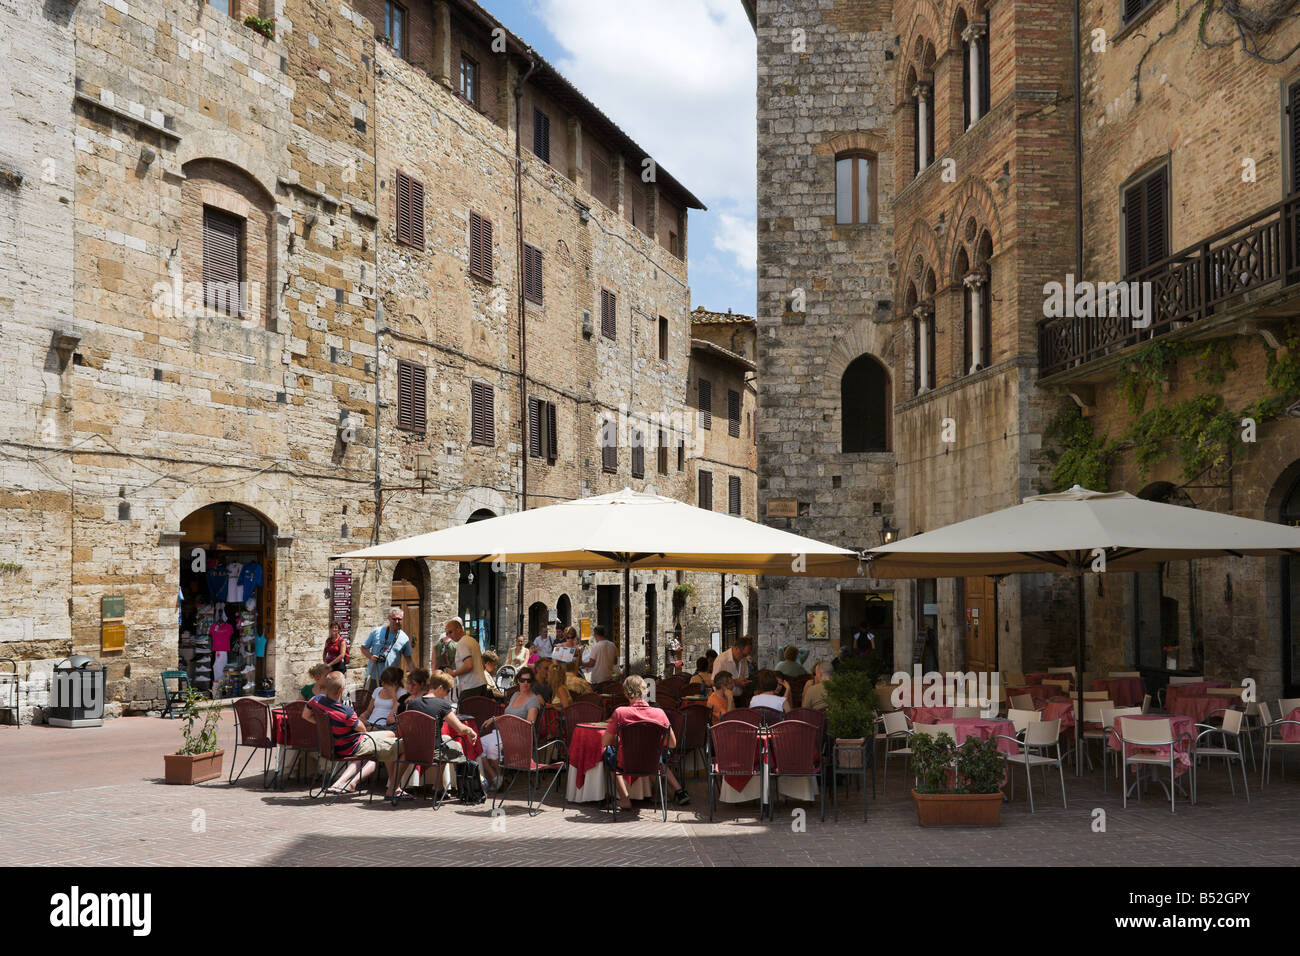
266, 300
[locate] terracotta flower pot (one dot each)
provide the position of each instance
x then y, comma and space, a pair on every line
958, 809
183, 768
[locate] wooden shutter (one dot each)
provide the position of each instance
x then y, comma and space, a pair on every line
733, 494
541, 135
412, 394
533, 274
706, 403
535, 428
552, 444
609, 446
410, 211
480, 246
222, 239
1156, 212
663, 337
1145, 222
706, 490
638, 454
608, 316
483, 428
733, 413
600, 179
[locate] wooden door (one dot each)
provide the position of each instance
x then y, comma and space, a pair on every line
981, 625
406, 595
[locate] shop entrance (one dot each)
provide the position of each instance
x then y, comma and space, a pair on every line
226, 600
981, 624
408, 594
477, 597
537, 620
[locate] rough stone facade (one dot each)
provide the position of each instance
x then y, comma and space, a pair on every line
133, 402
824, 294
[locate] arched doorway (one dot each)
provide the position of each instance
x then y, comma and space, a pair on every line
537, 615
1289, 513
733, 620
564, 610
477, 598
408, 594
226, 599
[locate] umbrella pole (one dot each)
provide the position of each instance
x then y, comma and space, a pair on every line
627, 617
1078, 705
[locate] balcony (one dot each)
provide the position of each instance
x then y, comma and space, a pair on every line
1251, 269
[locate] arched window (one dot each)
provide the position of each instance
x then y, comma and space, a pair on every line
864, 406
977, 304
855, 187
923, 339
974, 68
921, 91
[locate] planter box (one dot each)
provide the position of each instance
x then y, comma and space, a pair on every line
849, 753
182, 768
958, 809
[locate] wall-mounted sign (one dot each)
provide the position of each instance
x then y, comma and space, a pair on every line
584, 628
782, 508
112, 622
112, 607
817, 625
341, 599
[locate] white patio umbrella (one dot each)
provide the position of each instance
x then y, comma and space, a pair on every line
1074, 531
623, 531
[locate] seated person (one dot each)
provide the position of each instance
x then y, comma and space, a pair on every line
490, 663
542, 679
720, 701
789, 665
703, 674
381, 712
526, 703
636, 710
352, 738
773, 692
814, 694
317, 674
567, 683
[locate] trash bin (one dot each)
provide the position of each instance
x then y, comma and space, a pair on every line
77, 693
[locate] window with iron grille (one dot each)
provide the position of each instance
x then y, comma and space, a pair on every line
608, 316
469, 81
480, 247
706, 403
609, 446
638, 453
541, 135
532, 274
705, 494
662, 453
542, 430
733, 494
412, 393
733, 413
1146, 221
410, 210
483, 423
223, 261
1131, 8
663, 338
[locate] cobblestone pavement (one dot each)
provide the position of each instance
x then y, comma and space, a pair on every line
95, 797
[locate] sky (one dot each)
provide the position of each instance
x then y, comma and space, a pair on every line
678, 76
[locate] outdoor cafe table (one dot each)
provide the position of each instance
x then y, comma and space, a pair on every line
742, 789
1059, 708
585, 780
1177, 692
1038, 692
1200, 708
1181, 725
1038, 678
928, 715
1290, 732
1123, 691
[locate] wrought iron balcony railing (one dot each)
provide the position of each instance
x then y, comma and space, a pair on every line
1189, 286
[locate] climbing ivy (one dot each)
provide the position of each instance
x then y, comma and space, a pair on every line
1084, 458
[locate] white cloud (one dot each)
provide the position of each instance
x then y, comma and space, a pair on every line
738, 236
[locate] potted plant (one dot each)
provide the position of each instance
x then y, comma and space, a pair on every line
262, 25
198, 759
957, 786
850, 714
681, 594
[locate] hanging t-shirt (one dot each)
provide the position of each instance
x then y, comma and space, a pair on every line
250, 577
234, 590
221, 637
216, 578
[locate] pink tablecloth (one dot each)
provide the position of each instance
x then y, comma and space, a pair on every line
1176, 692
585, 750
984, 728
1038, 692
1062, 710
1290, 732
1039, 677
1200, 708
1181, 725
1123, 691
928, 715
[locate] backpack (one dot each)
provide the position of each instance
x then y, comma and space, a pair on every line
468, 784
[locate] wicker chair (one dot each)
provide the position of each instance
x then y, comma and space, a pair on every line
749, 715
694, 736
733, 752
300, 738
521, 754
796, 752
667, 700
640, 749
581, 711
677, 721
253, 731
769, 715
480, 708
421, 747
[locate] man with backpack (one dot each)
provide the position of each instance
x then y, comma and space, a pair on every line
384, 647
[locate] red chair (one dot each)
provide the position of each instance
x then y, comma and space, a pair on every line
480, 708
640, 747
520, 754
301, 738
733, 752
747, 714
667, 700
612, 704
328, 758
592, 698
676, 721
610, 687
796, 688
580, 712
361, 700
768, 715
549, 725
421, 742
796, 752
694, 735
252, 730
809, 716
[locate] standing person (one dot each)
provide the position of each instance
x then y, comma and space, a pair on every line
601, 657
471, 678
337, 649
384, 647
638, 710
490, 664
543, 644
737, 662
519, 653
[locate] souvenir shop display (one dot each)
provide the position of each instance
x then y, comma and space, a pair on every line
221, 636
